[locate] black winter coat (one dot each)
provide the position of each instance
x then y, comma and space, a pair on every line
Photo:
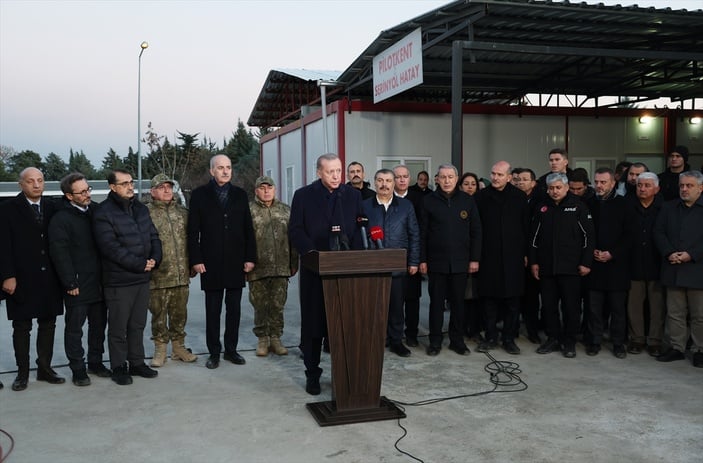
126, 238
610, 222
24, 255
562, 237
450, 232
75, 254
680, 228
645, 259
399, 225
505, 225
220, 237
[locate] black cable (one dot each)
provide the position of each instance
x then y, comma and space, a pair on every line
504, 375
3, 457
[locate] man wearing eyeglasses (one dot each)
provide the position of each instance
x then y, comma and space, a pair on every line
28, 278
77, 262
130, 249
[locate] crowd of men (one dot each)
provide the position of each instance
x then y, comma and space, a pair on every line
619, 261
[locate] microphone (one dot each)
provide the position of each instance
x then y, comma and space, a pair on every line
344, 242
362, 221
377, 236
334, 238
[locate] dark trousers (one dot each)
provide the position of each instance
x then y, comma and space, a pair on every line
396, 318
565, 289
213, 313
96, 314
509, 309
413, 290
21, 330
616, 302
126, 318
312, 348
449, 286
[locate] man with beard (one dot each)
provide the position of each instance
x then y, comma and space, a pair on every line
355, 174
677, 162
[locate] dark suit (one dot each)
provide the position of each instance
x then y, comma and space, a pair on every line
221, 237
24, 247
314, 211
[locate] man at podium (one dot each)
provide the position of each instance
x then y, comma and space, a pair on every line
323, 218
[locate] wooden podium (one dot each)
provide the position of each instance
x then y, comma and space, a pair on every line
357, 286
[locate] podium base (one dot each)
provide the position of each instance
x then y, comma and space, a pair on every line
326, 413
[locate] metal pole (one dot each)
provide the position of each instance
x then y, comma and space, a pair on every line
143, 46
323, 97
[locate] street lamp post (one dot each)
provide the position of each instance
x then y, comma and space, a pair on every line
143, 46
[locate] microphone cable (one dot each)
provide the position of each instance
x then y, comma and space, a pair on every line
503, 375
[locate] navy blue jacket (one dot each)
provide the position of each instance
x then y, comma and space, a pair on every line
126, 239
399, 225
645, 260
450, 231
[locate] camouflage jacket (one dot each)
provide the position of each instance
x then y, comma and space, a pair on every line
275, 256
171, 220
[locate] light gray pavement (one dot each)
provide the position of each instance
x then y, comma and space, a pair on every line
587, 409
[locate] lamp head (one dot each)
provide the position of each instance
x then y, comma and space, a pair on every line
144, 45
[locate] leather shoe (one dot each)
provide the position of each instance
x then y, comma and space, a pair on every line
569, 351
99, 370
635, 348
433, 350
670, 356
698, 359
234, 357
80, 378
213, 362
1, 385
654, 351
549, 346
143, 371
592, 349
460, 349
312, 385
50, 376
20, 382
486, 345
399, 349
619, 351
411, 341
121, 376
511, 348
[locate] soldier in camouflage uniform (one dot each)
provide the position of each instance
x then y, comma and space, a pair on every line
169, 283
276, 262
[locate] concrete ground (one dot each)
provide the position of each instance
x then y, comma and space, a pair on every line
595, 409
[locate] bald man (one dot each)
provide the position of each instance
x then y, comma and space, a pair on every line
504, 217
29, 281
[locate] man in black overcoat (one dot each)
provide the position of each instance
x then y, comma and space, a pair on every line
222, 249
504, 222
315, 209
450, 231
28, 278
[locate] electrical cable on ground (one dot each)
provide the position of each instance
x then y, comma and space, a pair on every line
504, 375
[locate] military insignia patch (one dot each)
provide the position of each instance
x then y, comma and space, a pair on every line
464, 215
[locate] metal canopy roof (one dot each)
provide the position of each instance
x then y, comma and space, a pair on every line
512, 48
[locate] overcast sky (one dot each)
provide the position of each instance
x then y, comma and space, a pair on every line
68, 69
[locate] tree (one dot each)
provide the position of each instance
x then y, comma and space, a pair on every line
54, 167
111, 161
79, 162
22, 160
6, 152
129, 162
